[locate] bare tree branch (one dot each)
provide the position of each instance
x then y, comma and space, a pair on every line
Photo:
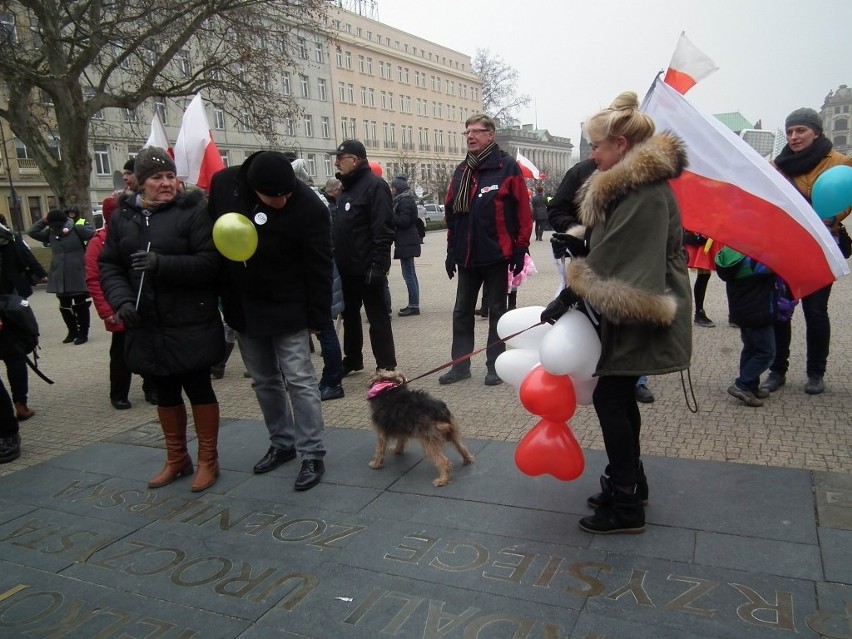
500, 99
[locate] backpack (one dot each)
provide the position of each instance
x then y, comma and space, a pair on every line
19, 330
421, 228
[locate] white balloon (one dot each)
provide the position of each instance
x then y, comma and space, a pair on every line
519, 319
514, 364
571, 346
583, 389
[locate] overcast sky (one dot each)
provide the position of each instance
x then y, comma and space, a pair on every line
574, 57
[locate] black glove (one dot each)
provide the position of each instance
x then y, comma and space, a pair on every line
128, 315
375, 275
517, 262
564, 302
564, 245
450, 265
144, 261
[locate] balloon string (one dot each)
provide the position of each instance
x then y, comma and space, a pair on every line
459, 360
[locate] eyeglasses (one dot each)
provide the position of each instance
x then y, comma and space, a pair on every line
475, 131
343, 157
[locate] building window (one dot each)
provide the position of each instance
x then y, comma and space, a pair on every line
362, 68
160, 108
129, 115
353, 128
371, 97
304, 85
348, 59
322, 94
285, 83
226, 157
302, 48
102, 165
840, 140
218, 118
341, 90
35, 32
338, 57
841, 124
7, 28
245, 121
36, 212
312, 164
328, 166
183, 63
325, 126
363, 96
309, 126
350, 92
319, 54
344, 131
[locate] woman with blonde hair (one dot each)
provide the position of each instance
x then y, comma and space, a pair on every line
634, 274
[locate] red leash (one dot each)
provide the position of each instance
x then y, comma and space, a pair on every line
458, 360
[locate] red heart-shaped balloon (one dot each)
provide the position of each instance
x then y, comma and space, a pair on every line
550, 447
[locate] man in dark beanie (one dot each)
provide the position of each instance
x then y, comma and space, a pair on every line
275, 299
128, 174
807, 155
363, 233
407, 241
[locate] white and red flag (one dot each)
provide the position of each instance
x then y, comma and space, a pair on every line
529, 170
732, 194
196, 155
158, 137
688, 66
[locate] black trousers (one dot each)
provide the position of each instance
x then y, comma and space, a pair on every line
196, 385
357, 293
119, 373
615, 403
495, 279
817, 335
8, 421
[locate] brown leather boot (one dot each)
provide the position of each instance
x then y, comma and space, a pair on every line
206, 417
178, 461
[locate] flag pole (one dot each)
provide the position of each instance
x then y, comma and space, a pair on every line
650, 89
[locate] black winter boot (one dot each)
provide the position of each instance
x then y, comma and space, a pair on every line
598, 499
81, 313
513, 301
623, 513
71, 323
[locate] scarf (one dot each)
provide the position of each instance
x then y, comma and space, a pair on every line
794, 164
461, 204
402, 194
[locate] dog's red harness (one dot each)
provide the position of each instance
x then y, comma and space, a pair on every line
380, 387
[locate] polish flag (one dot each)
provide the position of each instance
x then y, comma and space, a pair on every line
196, 155
688, 66
158, 137
528, 169
732, 194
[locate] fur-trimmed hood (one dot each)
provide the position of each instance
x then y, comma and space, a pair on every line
661, 157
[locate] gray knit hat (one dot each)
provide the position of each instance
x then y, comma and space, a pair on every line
152, 160
400, 183
807, 117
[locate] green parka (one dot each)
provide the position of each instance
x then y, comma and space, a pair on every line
635, 274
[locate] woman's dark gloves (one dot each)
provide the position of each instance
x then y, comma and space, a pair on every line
450, 265
564, 302
565, 245
144, 261
517, 263
128, 315
375, 275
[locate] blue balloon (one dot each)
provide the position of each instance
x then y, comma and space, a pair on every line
832, 192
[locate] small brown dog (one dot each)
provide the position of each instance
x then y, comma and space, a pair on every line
401, 413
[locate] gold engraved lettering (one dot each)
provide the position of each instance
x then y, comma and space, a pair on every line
411, 604
160, 628
12, 591
123, 619
635, 587
518, 569
73, 488
135, 548
30, 527
523, 626
66, 541
596, 586
152, 500
116, 498
74, 617
224, 517
555, 632
479, 559
838, 626
328, 542
549, 572
416, 553
224, 569
440, 623
315, 527
700, 587
53, 603
308, 585
243, 578
267, 520
782, 610
356, 615
177, 554
187, 505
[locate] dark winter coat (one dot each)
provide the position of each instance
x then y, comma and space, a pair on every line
750, 285
635, 273
539, 207
500, 219
363, 223
563, 210
407, 240
67, 275
181, 330
285, 286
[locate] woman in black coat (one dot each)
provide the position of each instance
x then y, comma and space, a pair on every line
159, 269
407, 241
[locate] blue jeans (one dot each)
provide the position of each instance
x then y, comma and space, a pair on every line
410, 277
291, 409
332, 357
495, 280
757, 354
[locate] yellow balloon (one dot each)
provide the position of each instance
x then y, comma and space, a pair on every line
235, 237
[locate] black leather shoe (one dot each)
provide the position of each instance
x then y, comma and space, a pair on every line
273, 458
492, 379
121, 404
349, 368
310, 475
10, 448
405, 312
453, 376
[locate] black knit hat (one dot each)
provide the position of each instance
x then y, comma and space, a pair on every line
352, 147
152, 160
806, 117
55, 217
400, 183
129, 165
270, 173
